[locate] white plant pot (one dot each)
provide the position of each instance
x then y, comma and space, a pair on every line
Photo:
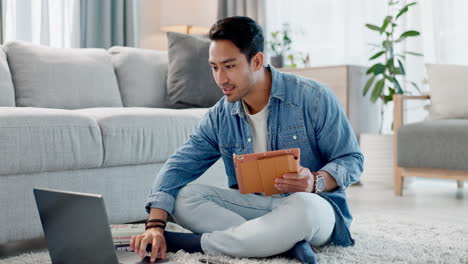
378, 159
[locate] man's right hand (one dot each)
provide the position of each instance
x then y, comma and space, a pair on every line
153, 236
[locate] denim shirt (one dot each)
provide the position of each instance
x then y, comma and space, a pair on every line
302, 113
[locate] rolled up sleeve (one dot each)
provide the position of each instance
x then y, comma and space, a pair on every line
337, 141
188, 163
160, 200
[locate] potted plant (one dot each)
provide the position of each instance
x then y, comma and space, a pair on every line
279, 44
388, 71
386, 78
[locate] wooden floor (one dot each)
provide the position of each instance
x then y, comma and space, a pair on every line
424, 200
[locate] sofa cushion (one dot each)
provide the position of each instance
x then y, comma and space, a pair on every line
449, 91
134, 135
61, 77
189, 79
142, 76
438, 144
7, 93
40, 139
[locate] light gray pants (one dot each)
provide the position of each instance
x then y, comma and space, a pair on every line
250, 225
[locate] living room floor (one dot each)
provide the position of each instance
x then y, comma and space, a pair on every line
424, 201
429, 201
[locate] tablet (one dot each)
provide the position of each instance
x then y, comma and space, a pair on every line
256, 172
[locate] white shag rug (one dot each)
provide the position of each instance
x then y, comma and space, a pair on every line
379, 239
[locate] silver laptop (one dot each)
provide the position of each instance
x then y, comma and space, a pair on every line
77, 230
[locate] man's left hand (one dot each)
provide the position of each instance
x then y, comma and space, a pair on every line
302, 181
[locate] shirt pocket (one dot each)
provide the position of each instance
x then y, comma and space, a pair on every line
293, 138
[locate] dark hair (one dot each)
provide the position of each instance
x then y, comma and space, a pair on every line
244, 32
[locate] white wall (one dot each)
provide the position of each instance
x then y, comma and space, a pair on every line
151, 35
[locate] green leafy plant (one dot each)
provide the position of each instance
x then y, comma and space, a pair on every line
280, 42
387, 74
281, 46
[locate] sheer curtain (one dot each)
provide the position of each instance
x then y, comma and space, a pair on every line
332, 32
53, 23
444, 30
72, 23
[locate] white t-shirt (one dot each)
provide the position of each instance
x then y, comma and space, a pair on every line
258, 124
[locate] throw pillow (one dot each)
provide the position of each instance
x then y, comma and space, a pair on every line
62, 77
189, 79
449, 91
142, 76
7, 93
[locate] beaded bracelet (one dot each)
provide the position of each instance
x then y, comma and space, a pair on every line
156, 221
155, 226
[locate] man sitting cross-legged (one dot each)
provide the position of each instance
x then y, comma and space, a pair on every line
262, 110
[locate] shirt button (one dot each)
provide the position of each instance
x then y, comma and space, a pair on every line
294, 137
249, 140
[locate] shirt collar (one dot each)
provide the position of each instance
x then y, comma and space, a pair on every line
277, 90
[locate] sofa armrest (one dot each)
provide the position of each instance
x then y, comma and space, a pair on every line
398, 100
398, 121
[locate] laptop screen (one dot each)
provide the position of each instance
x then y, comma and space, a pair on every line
75, 226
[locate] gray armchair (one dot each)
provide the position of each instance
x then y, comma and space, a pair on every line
434, 148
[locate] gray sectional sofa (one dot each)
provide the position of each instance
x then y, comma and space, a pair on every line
87, 120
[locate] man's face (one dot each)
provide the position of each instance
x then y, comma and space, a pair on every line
231, 70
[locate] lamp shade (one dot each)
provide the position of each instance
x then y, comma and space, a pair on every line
191, 17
